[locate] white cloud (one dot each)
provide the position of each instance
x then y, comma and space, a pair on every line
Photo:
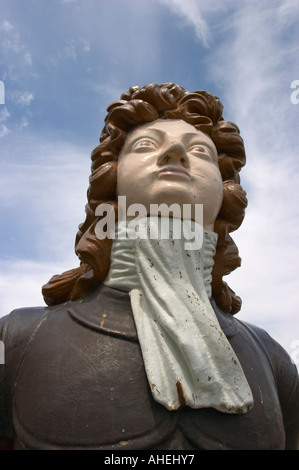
11, 43
46, 189
4, 114
21, 280
110, 90
27, 58
6, 26
122, 36
44, 195
23, 124
192, 12
72, 50
4, 130
23, 98
288, 12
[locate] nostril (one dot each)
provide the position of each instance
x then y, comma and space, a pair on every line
176, 154
184, 161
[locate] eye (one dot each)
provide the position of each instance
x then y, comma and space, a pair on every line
200, 149
144, 144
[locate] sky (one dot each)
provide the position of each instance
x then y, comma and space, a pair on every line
62, 62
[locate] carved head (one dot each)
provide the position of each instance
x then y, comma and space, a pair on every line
145, 115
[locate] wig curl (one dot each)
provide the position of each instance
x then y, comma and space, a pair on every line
139, 106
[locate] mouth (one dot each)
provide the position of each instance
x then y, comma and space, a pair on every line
174, 173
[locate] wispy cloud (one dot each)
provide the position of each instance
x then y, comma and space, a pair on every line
3, 130
45, 188
72, 50
43, 196
21, 281
23, 98
191, 11
4, 114
18, 119
12, 43
16, 72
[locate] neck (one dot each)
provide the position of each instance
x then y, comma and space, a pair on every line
122, 274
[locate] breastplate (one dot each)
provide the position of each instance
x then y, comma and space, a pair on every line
82, 385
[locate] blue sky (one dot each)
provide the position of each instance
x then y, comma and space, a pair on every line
63, 61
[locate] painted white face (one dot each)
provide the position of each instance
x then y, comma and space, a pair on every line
170, 161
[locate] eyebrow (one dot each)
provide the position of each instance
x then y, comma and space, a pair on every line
195, 135
141, 132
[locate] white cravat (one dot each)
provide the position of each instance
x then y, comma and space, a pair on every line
187, 358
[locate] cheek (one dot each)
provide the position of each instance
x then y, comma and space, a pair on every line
210, 183
210, 193
122, 179
217, 190
126, 174
130, 177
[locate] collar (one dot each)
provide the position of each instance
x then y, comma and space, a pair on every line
109, 311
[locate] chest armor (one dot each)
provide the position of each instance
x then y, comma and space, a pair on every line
82, 385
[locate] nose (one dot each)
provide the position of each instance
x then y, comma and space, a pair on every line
174, 154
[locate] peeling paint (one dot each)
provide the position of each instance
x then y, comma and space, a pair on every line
155, 386
181, 393
124, 443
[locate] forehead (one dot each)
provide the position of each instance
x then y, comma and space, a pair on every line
174, 128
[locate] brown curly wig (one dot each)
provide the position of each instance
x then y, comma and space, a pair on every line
139, 106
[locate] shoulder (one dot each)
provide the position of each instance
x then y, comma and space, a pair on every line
19, 324
17, 330
278, 357
276, 354
284, 370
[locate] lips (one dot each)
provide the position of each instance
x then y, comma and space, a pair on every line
174, 172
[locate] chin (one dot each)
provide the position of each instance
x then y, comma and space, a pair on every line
173, 194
